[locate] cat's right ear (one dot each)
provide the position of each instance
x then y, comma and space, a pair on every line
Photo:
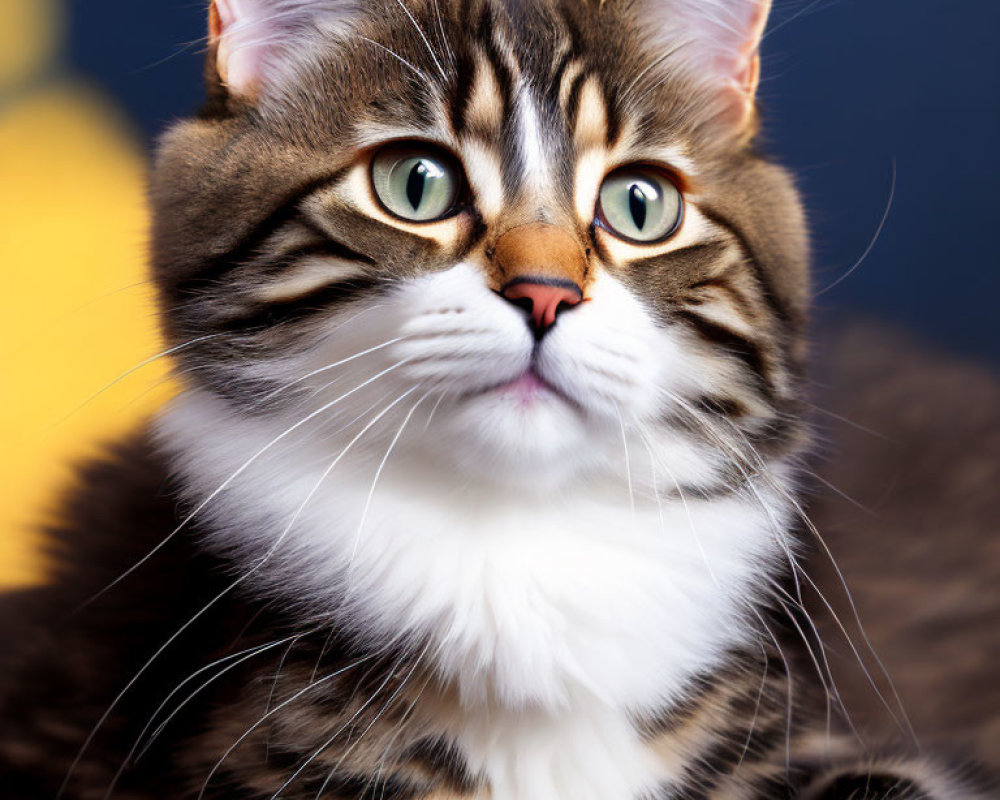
254, 44
719, 42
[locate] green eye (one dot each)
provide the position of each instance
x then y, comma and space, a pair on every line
416, 183
640, 204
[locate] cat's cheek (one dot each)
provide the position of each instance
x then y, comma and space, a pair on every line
611, 358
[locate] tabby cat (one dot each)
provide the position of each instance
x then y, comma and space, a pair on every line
481, 484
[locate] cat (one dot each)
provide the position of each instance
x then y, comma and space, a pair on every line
484, 479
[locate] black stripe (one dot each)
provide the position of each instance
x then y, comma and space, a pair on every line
873, 787
557, 73
443, 759
459, 101
774, 787
721, 406
612, 114
738, 346
358, 787
577, 45
771, 297
283, 212
705, 253
328, 248
573, 99
764, 741
316, 302
680, 713
723, 284
476, 234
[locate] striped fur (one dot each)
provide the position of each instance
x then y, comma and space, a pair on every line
421, 575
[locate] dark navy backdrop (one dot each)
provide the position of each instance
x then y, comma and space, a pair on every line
853, 90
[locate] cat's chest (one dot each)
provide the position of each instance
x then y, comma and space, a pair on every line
531, 603
555, 620
532, 600
587, 752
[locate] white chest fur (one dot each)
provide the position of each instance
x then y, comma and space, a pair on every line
557, 618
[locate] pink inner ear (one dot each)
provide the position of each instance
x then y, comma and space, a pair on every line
723, 40
244, 31
257, 39
749, 61
236, 63
731, 39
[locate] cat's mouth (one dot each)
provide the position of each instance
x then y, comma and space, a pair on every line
528, 389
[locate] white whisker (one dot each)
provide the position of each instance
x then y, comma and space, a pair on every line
427, 44
398, 57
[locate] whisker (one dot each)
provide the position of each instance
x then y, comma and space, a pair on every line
823, 672
397, 56
180, 707
789, 683
905, 726
838, 491
131, 371
434, 409
378, 474
245, 576
628, 465
872, 243
282, 705
187, 520
274, 686
328, 367
443, 37
797, 570
427, 44
851, 422
684, 503
388, 746
756, 708
319, 751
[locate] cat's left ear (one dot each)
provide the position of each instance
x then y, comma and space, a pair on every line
254, 43
720, 40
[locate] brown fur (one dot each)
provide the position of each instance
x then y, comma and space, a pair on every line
260, 182
917, 451
539, 251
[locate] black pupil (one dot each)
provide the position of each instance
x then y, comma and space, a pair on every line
415, 184
637, 205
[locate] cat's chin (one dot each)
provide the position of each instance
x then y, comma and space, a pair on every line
521, 433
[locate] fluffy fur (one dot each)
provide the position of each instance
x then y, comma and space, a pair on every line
406, 542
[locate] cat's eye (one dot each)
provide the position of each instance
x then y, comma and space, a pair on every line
416, 182
640, 204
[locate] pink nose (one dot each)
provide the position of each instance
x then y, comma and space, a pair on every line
543, 298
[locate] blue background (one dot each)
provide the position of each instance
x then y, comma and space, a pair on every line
852, 91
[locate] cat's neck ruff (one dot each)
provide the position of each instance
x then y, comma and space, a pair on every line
557, 620
526, 601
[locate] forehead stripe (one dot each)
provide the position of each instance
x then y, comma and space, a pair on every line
537, 170
590, 128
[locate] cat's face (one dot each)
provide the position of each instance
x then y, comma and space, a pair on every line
527, 237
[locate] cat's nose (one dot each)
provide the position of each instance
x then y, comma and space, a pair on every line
541, 268
543, 298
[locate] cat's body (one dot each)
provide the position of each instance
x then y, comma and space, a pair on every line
418, 740
57, 683
483, 483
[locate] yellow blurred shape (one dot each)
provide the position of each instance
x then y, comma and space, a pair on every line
77, 309
27, 38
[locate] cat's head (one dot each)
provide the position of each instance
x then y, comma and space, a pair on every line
535, 234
